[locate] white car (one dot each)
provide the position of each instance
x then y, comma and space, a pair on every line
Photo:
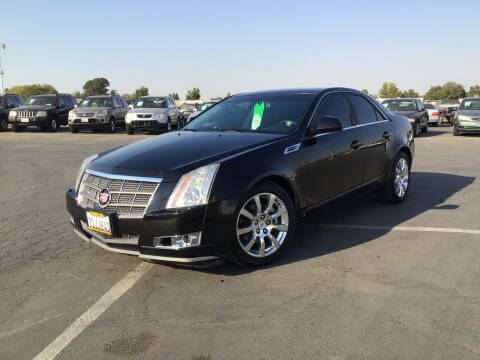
433, 114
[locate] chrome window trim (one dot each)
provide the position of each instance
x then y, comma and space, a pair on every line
123, 177
353, 127
346, 92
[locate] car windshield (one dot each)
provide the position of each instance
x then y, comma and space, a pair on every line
42, 100
189, 107
400, 105
207, 105
96, 102
473, 104
3, 100
428, 106
449, 102
152, 102
273, 113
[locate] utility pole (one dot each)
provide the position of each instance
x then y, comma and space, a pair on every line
2, 46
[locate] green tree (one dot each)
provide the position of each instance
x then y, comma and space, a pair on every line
174, 95
228, 95
142, 91
410, 93
474, 91
434, 93
26, 91
77, 94
389, 90
127, 96
452, 90
193, 94
113, 92
97, 86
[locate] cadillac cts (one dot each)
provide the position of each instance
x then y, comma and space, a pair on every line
233, 182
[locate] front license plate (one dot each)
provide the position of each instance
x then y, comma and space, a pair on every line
99, 222
84, 120
24, 120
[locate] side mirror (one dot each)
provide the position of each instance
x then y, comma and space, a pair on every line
326, 124
130, 106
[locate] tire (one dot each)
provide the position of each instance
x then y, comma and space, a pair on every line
3, 124
455, 131
248, 232
425, 129
169, 125
129, 130
52, 125
111, 126
391, 189
73, 129
17, 128
416, 130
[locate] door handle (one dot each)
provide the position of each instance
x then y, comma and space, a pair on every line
355, 145
386, 135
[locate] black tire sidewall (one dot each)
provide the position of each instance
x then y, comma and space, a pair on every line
391, 189
3, 124
236, 253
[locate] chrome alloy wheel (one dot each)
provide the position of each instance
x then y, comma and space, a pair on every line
54, 124
262, 225
402, 177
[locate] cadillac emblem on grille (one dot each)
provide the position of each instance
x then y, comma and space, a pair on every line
104, 198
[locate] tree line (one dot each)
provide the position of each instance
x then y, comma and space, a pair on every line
448, 91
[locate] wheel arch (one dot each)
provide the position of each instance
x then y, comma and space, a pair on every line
282, 181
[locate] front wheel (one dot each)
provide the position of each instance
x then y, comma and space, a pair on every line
425, 128
169, 125
396, 189
129, 130
52, 125
264, 224
111, 128
3, 124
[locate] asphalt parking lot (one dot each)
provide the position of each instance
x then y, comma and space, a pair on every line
363, 280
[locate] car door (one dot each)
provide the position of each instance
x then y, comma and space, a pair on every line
377, 136
117, 109
334, 161
423, 114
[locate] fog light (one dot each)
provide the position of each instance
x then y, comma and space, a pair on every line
178, 241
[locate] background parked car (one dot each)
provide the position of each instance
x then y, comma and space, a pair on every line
7, 102
447, 109
186, 109
152, 113
98, 112
433, 114
46, 111
206, 105
467, 117
413, 109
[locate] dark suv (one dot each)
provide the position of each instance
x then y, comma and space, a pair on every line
46, 111
98, 112
7, 102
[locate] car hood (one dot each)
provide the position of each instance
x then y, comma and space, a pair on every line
147, 110
405, 113
171, 155
91, 109
470, 113
34, 107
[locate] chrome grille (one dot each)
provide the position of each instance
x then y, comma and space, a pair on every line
85, 114
26, 113
128, 196
144, 116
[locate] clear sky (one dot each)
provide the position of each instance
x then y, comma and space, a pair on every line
237, 46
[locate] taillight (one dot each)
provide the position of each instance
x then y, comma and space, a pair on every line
435, 114
446, 111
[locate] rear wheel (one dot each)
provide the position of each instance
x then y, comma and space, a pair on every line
264, 224
169, 125
396, 189
3, 124
52, 124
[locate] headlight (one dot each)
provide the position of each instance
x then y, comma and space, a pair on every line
84, 165
463, 118
193, 188
41, 113
129, 118
102, 114
160, 116
411, 119
72, 114
12, 114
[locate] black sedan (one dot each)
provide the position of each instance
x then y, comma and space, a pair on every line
413, 109
234, 181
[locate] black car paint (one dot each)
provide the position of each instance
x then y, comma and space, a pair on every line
420, 116
11, 101
313, 169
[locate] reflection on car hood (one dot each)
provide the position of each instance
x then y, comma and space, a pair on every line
34, 107
171, 155
405, 113
91, 109
147, 110
470, 113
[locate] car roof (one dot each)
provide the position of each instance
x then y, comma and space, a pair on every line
314, 91
402, 99
472, 98
101, 96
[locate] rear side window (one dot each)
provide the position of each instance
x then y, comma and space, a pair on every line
333, 105
363, 111
115, 102
10, 101
61, 100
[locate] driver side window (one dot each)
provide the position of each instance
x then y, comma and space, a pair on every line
333, 105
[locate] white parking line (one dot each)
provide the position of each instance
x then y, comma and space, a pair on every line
401, 228
89, 316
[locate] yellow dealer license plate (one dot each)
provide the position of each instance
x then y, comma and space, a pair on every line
99, 222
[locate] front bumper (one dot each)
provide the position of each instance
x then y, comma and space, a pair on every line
90, 123
150, 124
135, 235
32, 121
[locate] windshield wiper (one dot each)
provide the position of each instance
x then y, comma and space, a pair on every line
233, 130
193, 130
